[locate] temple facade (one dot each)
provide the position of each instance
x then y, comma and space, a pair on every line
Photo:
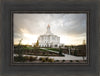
49, 39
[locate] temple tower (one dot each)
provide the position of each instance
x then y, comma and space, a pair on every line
48, 30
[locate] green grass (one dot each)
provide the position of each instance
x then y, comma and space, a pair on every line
28, 48
43, 50
54, 49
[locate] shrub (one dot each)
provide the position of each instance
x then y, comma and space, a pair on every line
32, 59
42, 59
63, 60
43, 53
77, 60
71, 61
19, 59
51, 60
26, 58
16, 59
47, 59
75, 52
57, 60
60, 52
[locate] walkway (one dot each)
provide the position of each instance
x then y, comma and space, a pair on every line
65, 57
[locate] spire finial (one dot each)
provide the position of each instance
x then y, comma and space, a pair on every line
48, 25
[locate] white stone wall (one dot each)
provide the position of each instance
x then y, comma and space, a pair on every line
49, 41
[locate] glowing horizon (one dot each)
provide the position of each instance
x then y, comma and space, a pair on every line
32, 39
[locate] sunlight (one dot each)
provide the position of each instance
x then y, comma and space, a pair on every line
29, 39
67, 40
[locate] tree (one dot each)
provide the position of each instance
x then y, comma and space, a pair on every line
84, 50
37, 44
75, 52
20, 42
60, 51
20, 48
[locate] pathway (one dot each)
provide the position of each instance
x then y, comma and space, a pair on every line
65, 57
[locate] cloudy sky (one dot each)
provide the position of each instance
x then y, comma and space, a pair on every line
71, 28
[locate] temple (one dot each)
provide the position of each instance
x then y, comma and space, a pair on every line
49, 39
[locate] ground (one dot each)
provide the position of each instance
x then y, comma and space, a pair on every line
38, 55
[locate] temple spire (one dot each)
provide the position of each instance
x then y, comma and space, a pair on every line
48, 27
48, 30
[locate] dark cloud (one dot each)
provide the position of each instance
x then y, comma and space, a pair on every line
74, 24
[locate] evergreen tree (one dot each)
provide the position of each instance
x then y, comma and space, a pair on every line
60, 51
37, 43
20, 48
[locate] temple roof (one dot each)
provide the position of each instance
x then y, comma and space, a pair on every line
48, 31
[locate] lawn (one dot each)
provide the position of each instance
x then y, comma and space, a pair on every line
42, 49
54, 49
28, 48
